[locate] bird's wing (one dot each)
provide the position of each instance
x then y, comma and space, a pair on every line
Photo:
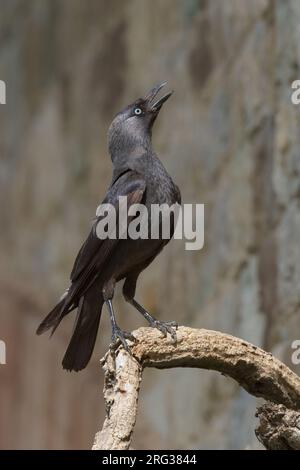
95, 251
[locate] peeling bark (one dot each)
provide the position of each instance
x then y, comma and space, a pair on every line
122, 379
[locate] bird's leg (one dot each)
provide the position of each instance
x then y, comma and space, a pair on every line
129, 293
165, 327
118, 335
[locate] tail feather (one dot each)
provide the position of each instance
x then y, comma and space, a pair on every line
85, 332
53, 319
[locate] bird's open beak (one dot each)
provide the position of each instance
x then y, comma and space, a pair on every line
155, 106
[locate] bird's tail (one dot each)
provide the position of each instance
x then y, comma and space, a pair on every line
85, 332
53, 319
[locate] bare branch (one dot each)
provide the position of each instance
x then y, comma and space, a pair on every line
257, 371
121, 390
279, 427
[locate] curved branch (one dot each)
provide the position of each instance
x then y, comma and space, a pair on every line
257, 371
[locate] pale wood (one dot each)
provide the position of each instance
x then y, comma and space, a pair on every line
256, 370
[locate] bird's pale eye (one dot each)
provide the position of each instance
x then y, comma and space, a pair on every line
137, 111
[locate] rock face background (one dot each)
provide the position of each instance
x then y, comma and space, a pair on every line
229, 137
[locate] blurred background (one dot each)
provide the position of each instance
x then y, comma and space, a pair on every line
229, 137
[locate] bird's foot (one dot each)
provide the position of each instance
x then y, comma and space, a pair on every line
165, 327
119, 337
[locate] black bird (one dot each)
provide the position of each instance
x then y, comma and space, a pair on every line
100, 263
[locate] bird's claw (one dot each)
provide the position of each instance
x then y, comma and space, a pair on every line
172, 323
165, 328
119, 337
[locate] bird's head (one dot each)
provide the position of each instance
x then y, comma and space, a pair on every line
130, 131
